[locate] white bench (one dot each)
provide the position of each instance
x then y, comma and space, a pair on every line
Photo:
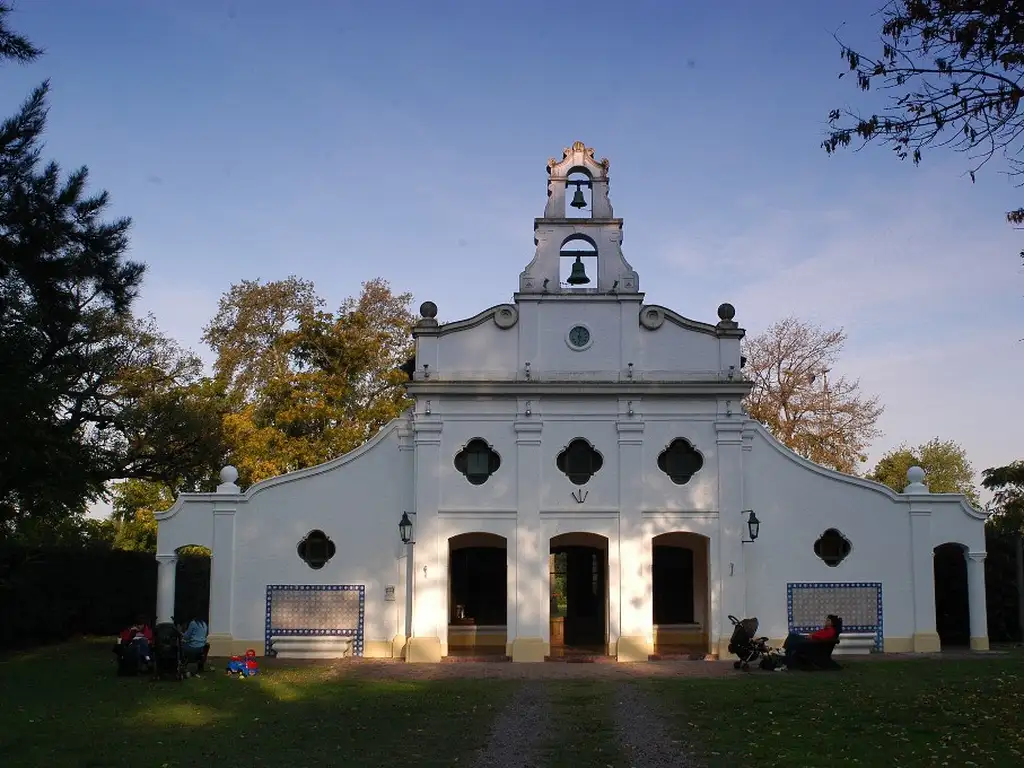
855, 643
315, 647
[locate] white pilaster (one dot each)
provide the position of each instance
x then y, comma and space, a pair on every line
976, 590
922, 579
531, 609
222, 569
636, 639
430, 579
731, 581
166, 573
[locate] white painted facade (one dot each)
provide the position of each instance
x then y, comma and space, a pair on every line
518, 377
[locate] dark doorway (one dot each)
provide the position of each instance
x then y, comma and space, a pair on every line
952, 599
673, 585
477, 595
578, 598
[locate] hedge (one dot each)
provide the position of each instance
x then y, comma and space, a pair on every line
52, 594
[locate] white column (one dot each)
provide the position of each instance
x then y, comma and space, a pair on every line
731, 584
976, 590
166, 572
636, 639
430, 584
530, 643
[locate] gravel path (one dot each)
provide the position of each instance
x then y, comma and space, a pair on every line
643, 734
519, 730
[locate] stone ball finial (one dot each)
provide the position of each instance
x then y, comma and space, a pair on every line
428, 309
228, 475
726, 312
915, 475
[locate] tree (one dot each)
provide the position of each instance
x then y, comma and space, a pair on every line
306, 385
1007, 484
952, 69
823, 419
134, 504
90, 393
945, 463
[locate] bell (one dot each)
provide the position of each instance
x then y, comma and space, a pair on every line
578, 276
578, 201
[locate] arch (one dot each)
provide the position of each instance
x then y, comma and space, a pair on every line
952, 595
477, 594
681, 593
578, 605
578, 248
192, 583
579, 178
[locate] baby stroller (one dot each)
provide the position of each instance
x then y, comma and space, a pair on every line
748, 648
168, 655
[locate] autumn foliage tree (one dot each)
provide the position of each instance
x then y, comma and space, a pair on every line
820, 416
305, 384
951, 74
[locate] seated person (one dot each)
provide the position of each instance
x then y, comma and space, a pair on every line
193, 643
138, 637
795, 642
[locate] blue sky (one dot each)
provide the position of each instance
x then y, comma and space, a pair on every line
342, 141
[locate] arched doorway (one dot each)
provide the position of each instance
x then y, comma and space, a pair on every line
952, 596
578, 571
192, 583
680, 587
477, 594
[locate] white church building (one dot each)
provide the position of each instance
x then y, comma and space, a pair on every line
576, 475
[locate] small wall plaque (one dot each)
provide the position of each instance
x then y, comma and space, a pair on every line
389, 593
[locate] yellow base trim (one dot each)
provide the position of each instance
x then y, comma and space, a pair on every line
979, 643
377, 649
223, 646
896, 644
529, 649
423, 650
398, 647
633, 648
927, 642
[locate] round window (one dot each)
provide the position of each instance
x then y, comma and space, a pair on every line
579, 337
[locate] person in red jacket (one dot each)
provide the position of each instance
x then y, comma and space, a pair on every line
795, 641
140, 635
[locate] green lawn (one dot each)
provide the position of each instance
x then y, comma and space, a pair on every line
886, 713
64, 706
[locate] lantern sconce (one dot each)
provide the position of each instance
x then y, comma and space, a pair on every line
753, 526
529, 408
405, 529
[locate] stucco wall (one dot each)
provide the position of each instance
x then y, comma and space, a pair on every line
358, 504
796, 504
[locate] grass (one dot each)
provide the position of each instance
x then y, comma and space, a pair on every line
888, 713
64, 706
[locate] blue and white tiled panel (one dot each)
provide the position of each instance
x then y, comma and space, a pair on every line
858, 604
315, 610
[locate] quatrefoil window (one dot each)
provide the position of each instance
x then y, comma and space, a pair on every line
680, 461
477, 461
579, 461
832, 547
316, 549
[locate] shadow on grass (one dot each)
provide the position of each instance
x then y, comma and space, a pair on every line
908, 713
64, 706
